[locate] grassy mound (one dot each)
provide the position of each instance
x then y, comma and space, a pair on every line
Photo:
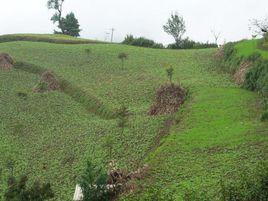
51, 38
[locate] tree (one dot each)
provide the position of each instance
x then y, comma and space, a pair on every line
93, 183
123, 116
170, 71
122, 56
70, 25
175, 27
57, 17
19, 190
259, 27
216, 35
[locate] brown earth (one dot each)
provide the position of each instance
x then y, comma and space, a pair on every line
6, 62
168, 99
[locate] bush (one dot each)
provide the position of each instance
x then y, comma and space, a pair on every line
142, 42
257, 77
264, 116
19, 190
93, 183
190, 44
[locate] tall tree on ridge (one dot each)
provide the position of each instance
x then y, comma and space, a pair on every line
175, 27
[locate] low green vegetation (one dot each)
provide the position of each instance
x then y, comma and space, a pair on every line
52, 135
248, 47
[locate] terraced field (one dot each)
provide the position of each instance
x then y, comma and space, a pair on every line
50, 136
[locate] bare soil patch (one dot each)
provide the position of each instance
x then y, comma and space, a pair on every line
168, 99
48, 82
6, 62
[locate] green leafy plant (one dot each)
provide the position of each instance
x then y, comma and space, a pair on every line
122, 56
170, 72
93, 183
123, 116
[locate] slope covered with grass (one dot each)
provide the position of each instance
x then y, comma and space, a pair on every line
248, 47
50, 136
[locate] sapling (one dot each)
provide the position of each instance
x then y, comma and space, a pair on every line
109, 145
123, 116
170, 72
122, 56
88, 52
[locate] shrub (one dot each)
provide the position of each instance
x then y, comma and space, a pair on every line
19, 190
93, 183
142, 42
264, 116
190, 44
257, 77
123, 116
122, 56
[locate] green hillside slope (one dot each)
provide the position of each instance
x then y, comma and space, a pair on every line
50, 136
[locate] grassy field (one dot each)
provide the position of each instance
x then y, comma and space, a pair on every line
50, 136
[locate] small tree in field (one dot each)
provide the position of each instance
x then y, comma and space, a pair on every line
122, 56
123, 116
170, 72
93, 183
71, 26
88, 52
175, 27
109, 145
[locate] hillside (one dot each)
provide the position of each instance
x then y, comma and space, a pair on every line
50, 136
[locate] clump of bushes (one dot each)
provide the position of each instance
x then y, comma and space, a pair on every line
19, 190
257, 77
142, 42
122, 56
190, 44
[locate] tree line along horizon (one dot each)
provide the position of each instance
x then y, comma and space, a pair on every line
175, 27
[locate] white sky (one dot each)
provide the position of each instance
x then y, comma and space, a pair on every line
138, 17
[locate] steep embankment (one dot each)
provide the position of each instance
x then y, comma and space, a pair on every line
50, 136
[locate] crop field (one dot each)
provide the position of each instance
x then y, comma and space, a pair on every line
50, 136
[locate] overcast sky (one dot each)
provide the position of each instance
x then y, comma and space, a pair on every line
138, 17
